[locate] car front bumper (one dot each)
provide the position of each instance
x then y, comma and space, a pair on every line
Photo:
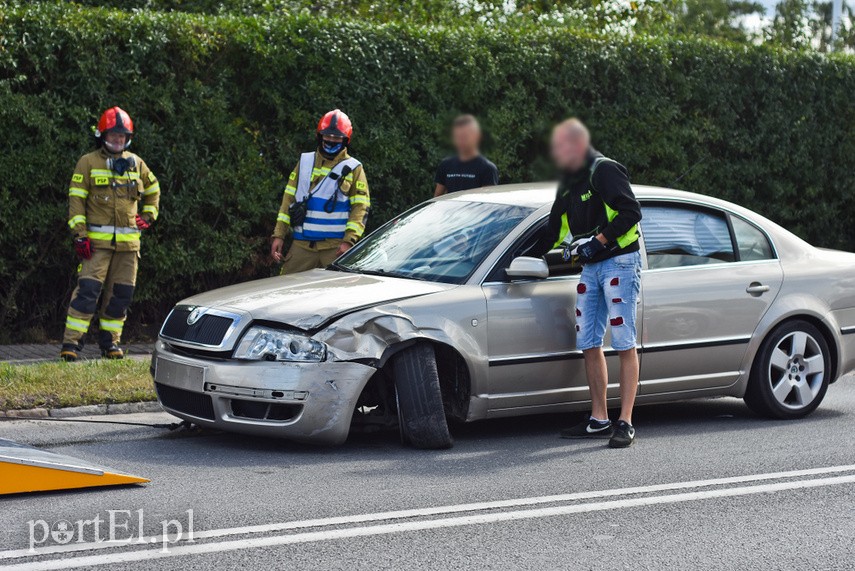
306, 402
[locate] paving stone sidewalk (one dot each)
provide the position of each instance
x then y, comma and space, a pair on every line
34, 353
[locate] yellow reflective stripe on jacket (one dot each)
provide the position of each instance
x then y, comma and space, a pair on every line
76, 324
283, 218
105, 172
150, 209
109, 233
360, 199
355, 227
75, 220
113, 229
320, 171
324, 171
111, 325
290, 189
151, 189
128, 237
80, 192
630, 237
106, 237
565, 230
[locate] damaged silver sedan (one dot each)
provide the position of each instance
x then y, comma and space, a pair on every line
439, 315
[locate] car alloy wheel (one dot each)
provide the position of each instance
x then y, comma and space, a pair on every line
791, 371
796, 370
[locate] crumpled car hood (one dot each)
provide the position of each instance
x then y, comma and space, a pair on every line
310, 299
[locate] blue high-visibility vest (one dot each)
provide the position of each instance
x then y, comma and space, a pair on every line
328, 208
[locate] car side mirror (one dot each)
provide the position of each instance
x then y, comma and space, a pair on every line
526, 267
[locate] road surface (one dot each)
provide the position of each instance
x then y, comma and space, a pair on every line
707, 486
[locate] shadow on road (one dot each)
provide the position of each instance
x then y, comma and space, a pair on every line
483, 444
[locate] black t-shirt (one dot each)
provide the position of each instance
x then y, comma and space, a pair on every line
456, 175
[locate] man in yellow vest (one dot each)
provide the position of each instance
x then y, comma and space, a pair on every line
326, 202
596, 215
112, 198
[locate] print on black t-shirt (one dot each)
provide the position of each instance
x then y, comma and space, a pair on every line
456, 175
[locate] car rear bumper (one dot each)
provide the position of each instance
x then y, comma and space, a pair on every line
307, 402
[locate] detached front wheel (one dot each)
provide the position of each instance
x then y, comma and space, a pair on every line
791, 372
421, 414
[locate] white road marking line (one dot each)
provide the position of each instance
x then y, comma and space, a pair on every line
392, 528
434, 511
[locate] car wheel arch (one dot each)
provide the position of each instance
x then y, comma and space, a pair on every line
805, 388
823, 327
789, 305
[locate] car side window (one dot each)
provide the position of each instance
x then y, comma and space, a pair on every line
678, 236
753, 245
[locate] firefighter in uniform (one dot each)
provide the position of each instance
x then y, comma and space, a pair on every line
326, 202
112, 198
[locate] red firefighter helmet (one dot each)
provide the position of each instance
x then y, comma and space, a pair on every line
336, 123
115, 120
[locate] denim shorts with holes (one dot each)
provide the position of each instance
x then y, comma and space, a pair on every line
607, 294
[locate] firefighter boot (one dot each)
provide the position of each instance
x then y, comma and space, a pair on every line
69, 352
109, 349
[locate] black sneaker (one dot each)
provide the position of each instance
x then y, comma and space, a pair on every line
624, 435
588, 429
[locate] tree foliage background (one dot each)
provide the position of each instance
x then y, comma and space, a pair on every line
224, 101
792, 23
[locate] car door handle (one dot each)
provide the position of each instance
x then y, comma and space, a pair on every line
757, 289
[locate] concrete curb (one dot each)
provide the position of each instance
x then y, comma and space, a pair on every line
86, 410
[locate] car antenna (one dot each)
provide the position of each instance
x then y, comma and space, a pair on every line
688, 170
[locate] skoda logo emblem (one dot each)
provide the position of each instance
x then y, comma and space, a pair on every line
195, 315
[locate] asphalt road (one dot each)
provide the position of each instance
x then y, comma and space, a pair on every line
707, 486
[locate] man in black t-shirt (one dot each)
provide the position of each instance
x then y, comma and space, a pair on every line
469, 168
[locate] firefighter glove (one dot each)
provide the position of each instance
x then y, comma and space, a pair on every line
83, 248
142, 223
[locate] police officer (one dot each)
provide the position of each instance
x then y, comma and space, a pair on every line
326, 202
112, 198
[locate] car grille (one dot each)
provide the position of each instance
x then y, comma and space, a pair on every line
179, 400
265, 411
208, 330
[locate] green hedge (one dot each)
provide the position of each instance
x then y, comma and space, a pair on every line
223, 105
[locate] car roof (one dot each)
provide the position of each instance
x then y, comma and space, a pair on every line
541, 194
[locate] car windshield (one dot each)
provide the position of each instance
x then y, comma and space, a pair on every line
438, 241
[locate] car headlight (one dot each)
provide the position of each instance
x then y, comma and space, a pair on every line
265, 344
